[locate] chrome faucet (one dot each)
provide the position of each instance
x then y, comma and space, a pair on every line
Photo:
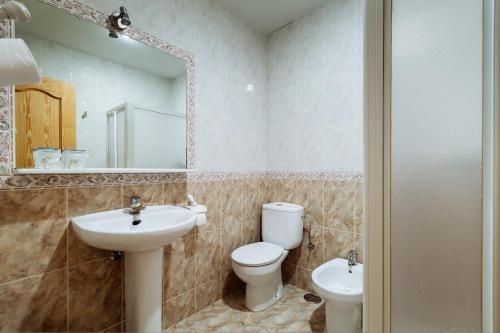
135, 209
352, 259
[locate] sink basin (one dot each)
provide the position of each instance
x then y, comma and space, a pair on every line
113, 230
143, 246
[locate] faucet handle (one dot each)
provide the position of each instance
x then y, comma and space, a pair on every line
135, 201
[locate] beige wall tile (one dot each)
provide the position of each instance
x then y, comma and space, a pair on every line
230, 241
311, 197
288, 272
359, 245
307, 258
178, 308
230, 201
250, 202
36, 304
207, 293
178, 267
151, 194
230, 283
358, 208
209, 194
284, 190
337, 244
117, 328
303, 279
340, 200
87, 200
250, 232
208, 255
32, 232
175, 193
95, 295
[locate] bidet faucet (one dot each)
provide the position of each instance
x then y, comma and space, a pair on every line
352, 259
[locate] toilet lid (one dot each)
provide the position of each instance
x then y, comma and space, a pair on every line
257, 254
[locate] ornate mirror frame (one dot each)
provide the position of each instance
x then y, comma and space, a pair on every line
7, 107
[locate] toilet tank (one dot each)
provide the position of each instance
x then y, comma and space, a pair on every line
282, 224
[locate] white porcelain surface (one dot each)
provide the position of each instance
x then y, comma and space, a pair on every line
143, 246
259, 264
113, 230
343, 294
257, 254
264, 285
282, 224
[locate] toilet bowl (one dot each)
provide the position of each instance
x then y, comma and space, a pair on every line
343, 295
259, 264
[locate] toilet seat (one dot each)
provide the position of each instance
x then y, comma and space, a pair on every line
257, 254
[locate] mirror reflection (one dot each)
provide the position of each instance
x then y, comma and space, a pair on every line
102, 102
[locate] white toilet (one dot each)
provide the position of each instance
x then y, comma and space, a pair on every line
259, 264
343, 295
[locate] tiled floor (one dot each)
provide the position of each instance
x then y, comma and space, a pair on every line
291, 314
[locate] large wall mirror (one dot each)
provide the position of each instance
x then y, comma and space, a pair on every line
103, 102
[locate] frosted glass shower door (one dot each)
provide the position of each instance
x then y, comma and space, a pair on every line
436, 176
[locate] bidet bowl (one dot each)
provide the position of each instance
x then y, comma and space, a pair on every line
334, 283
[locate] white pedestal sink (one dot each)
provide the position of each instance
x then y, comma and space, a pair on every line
143, 247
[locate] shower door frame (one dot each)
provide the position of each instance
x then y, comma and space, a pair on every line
377, 108
377, 129
495, 195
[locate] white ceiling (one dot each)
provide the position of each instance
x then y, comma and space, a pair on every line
93, 39
267, 16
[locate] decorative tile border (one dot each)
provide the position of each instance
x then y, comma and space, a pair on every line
295, 175
95, 179
79, 180
330, 176
94, 16
6, 133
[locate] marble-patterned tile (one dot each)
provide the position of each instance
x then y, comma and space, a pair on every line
209, 194
178, 308
116, 328
338, 243
151, 194
289, 273
250, 202
230, 241
303, 279
291, 314
35, 304
87, 200
32, 232
207, 294
215, 318
230, 283
359, 246
250, 232
208, 255
94, 295
310, 196
340, 198
284, 190
231, 197
179, 267
175, 193
358, 208
311, 258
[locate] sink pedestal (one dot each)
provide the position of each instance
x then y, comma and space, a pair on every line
143, 290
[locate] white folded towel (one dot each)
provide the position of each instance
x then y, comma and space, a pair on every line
17, 65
